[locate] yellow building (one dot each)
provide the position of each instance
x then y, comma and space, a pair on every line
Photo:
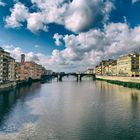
98, 70
114, 69
7, 67
128, 65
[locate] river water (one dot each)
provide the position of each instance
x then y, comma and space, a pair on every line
70, 110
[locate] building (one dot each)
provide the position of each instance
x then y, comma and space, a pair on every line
7, 67
90, 71
113, 68
129, 65
107, 67
98, 70
29, 70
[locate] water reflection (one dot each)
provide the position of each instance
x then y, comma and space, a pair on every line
135, 105
71, 110
14, 111
135, 96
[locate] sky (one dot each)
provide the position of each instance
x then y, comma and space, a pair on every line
69, 35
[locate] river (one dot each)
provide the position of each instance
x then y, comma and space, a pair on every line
70, 110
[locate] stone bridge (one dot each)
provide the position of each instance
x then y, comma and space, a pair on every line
60, 76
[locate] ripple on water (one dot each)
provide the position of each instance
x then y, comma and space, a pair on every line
27, 132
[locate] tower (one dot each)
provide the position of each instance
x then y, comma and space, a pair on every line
22, 58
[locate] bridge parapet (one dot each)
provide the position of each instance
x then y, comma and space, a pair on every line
78, 76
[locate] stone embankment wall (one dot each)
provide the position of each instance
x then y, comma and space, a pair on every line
122, 79
7, 85
132, 82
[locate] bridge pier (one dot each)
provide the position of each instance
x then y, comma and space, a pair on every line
94, 77
79, 77
59, 78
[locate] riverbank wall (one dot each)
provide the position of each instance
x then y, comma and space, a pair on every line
7, 86
12, 85
26, 82
131, 82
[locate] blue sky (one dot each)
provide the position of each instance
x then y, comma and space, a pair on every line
69, 35
21, 37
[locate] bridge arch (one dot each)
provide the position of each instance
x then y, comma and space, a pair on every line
89, 75
78, 76
66, 75
60, 76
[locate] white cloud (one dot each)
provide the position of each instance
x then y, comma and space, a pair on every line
85, 14
2, 3
57, 38
87, 49
54, 10
35, 22
83, 50
135, 1
16, 53
19, 14
76, 15
32, 57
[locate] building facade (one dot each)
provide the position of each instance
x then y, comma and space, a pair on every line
27, 70
108, 67
125, 66
114, 68
98, 70
7, 67
129, 65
